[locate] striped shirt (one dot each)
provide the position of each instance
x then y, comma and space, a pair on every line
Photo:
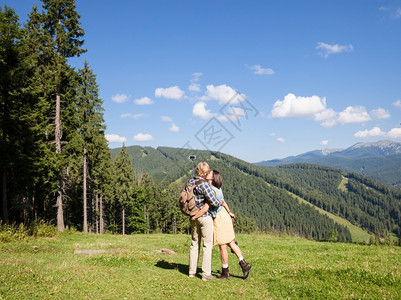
203, 192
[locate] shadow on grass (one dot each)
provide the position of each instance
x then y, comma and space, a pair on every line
184, 269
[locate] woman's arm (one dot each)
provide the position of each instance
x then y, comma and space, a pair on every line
225, 205
200, 213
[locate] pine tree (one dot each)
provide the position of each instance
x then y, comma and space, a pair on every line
88, 140
10, 35
149, 200
125, 182
63, 33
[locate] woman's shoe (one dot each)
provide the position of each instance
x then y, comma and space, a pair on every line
225, 274
245, 267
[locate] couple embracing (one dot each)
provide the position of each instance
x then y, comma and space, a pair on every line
213, 224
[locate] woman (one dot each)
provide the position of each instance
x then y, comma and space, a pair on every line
223, 228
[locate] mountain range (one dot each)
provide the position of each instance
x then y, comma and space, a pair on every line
307, 200
378, 160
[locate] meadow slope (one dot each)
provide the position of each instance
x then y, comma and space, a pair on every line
133, 268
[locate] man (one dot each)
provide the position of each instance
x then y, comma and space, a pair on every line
203, 226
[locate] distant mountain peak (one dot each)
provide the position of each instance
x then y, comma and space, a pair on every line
329, 151
384, 144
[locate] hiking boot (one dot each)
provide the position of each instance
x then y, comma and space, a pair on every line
225, 274
245, 267
207, 277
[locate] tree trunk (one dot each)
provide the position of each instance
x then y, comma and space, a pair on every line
174, 225
67, 202
59, 205
146, 213
84, 194
97, 212
25, 210
57, 138
123, 221
4, 197
101, 214
34, 207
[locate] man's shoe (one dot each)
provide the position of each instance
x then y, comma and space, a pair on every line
245, 268
191, 275
225, 274
207, 277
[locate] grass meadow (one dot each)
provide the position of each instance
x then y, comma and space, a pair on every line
132, 267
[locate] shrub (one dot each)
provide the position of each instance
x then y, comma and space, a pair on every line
42, 228
12, 232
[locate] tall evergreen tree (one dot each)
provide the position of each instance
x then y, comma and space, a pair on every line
10, 39
125, 182
88, 140
146, 183
61, 24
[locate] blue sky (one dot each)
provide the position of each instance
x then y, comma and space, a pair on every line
255, 79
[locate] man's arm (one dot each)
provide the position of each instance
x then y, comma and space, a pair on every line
209, 194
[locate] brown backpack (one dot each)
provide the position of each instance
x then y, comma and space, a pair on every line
187, 199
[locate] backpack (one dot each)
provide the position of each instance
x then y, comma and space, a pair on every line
187, 199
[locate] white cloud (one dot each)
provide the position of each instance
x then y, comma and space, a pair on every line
140, 137
120, 98
224, 94
199, 110
128, 115
327, 49
356, 114
166, 119
298, 107
272, 134
261, 71
374, 132
394, 13
196, 76
194, 87
328, 117
324, 142
397, 13
174, 128
315, 107
143, 101
281, 140
115, 138
397, 103
394, 133
353, 114
380, 113
173, 92
233, 114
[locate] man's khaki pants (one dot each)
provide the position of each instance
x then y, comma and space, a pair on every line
201, 228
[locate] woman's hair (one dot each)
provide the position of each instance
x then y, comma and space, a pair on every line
217, 180
202, 169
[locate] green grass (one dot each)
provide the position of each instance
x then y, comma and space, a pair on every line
282, 268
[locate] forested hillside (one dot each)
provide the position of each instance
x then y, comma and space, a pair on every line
380, 161
264, 195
